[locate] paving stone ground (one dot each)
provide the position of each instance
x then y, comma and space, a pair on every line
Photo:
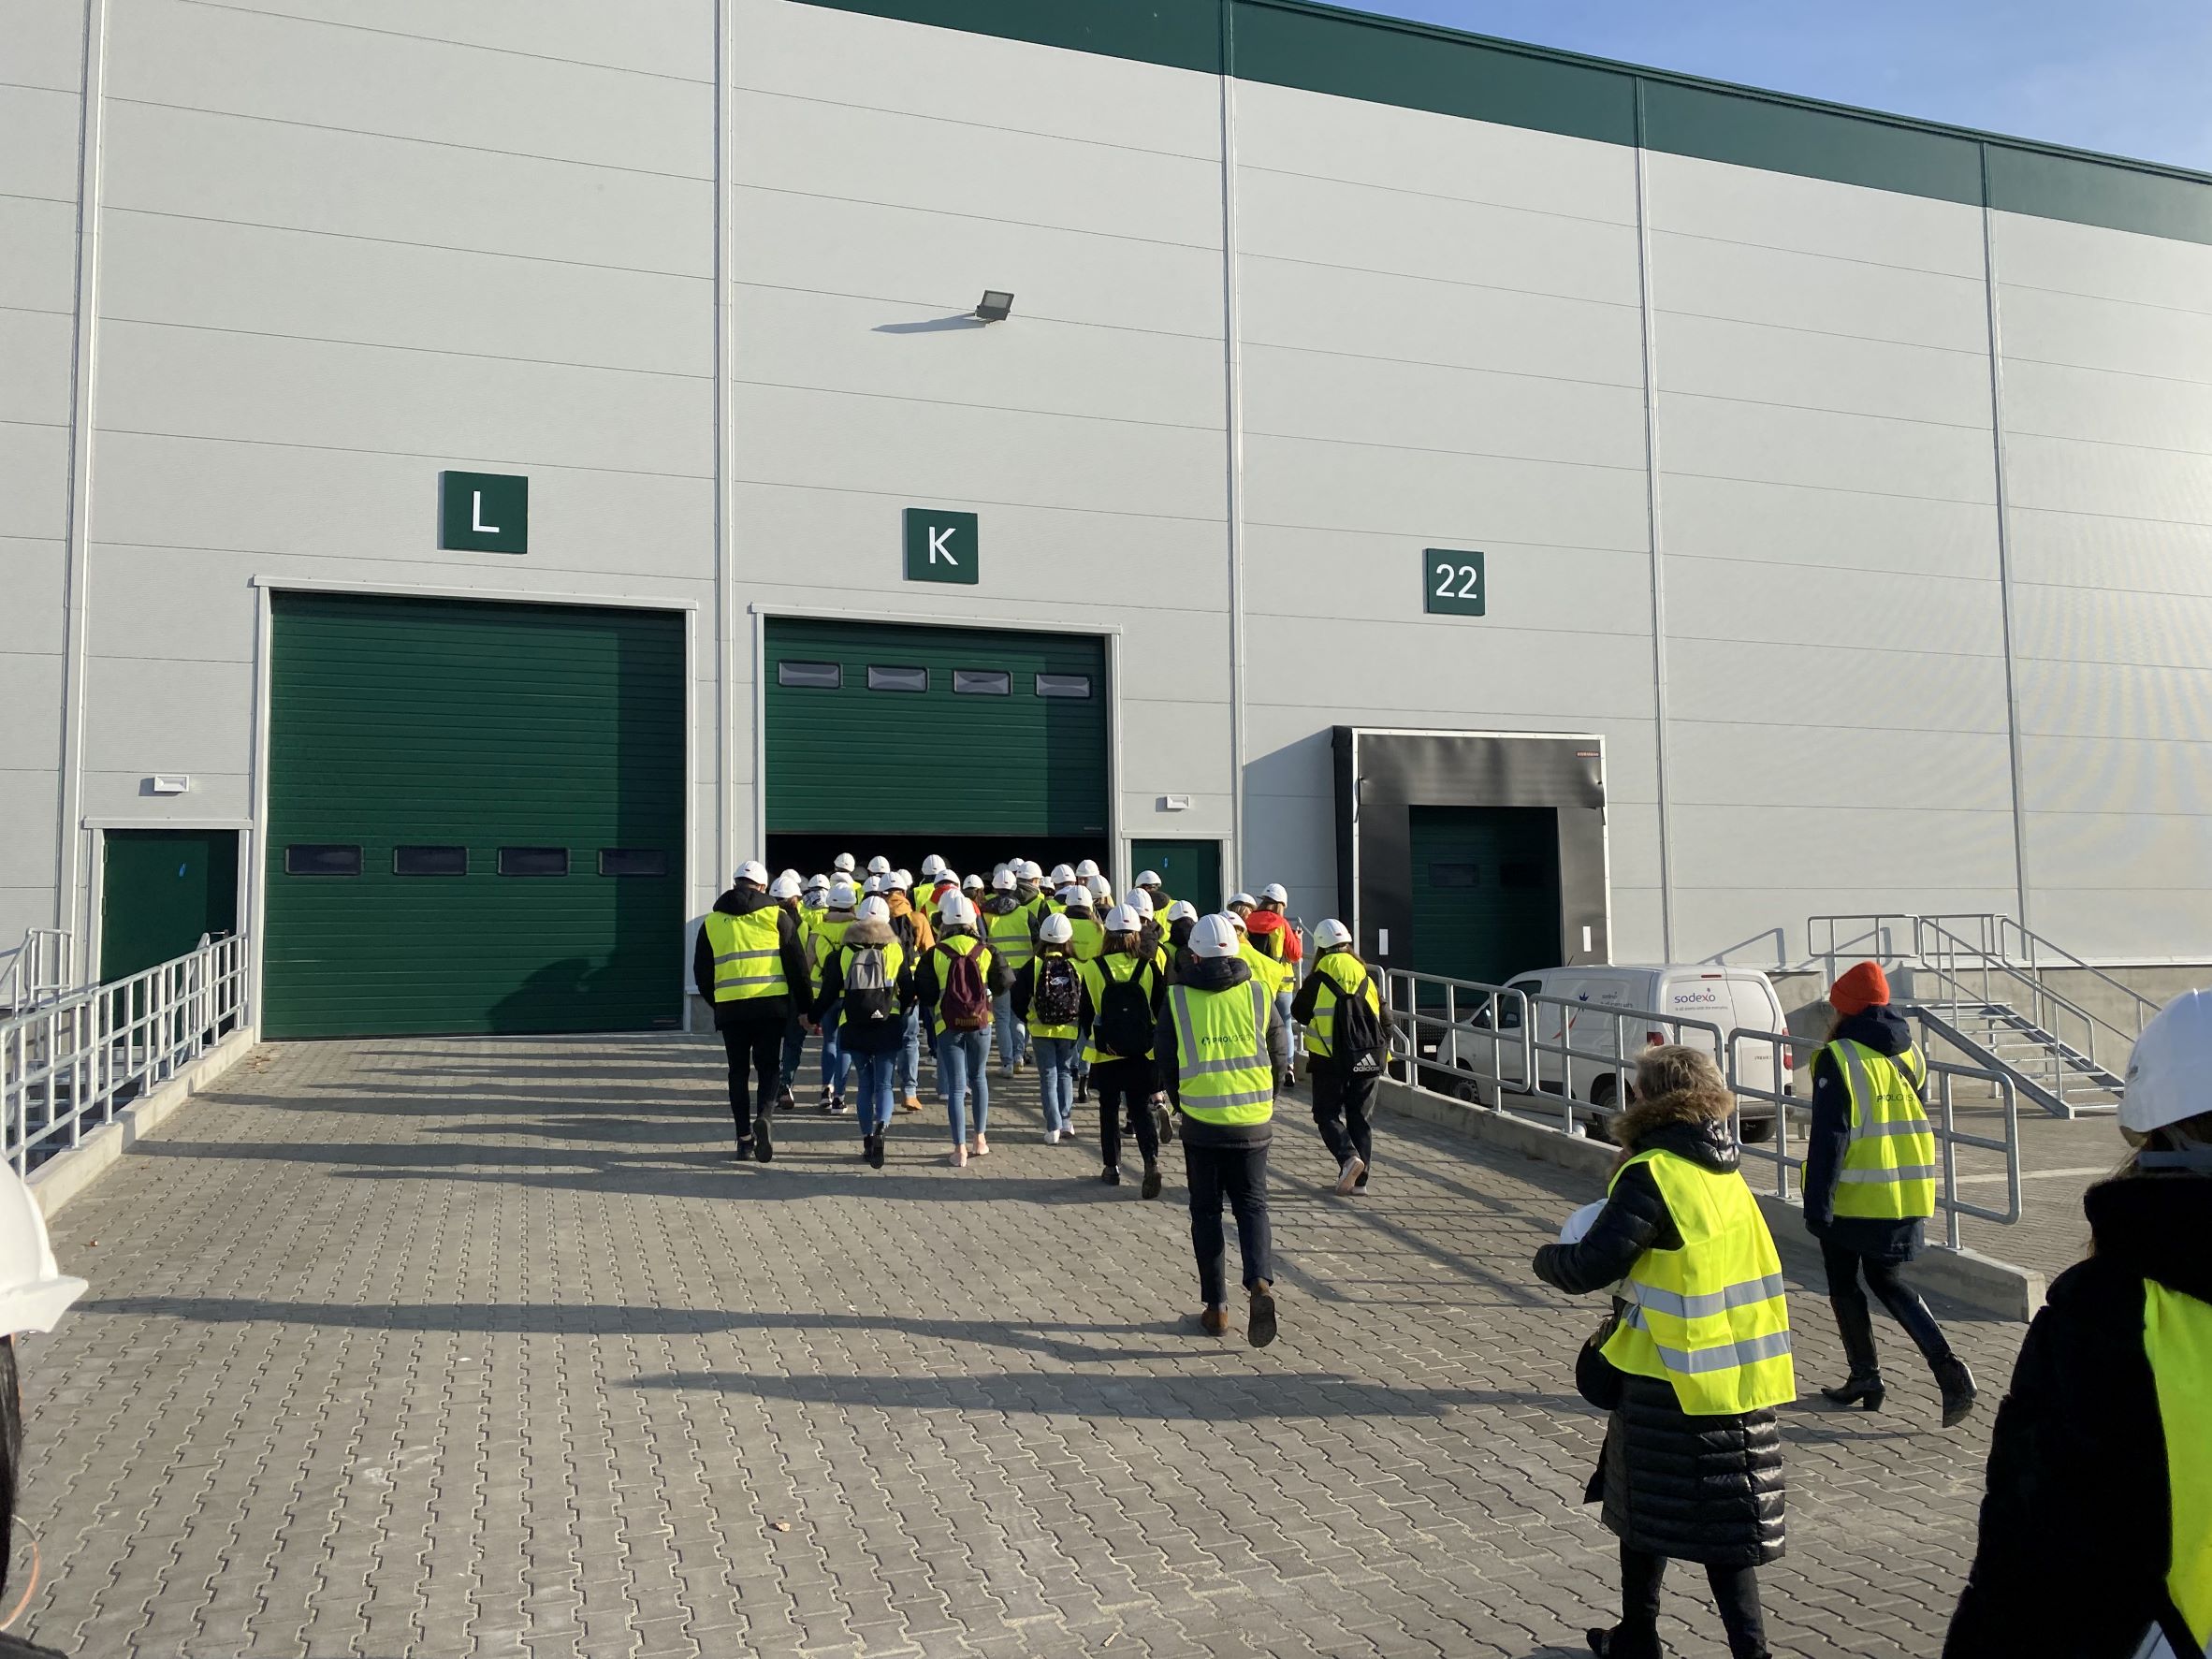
486, 1348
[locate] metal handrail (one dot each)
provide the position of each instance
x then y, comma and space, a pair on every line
43, 968
2004, 929
72, 1064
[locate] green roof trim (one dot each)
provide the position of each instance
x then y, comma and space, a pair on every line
1379, 60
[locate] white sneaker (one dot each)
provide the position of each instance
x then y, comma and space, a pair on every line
1348, 1178
1051, 1137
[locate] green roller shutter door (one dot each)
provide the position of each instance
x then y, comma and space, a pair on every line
1486, 890
938, 761
433, 726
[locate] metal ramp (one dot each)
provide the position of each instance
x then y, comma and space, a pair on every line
1985, 984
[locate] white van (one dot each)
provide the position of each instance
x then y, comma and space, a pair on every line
1591, 1010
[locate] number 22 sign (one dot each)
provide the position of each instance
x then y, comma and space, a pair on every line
1452, 584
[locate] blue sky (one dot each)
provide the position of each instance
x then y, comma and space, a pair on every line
2129, 77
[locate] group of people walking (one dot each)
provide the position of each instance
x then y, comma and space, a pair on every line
1179, 1026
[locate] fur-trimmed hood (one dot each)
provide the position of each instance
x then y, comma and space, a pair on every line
868, 933
1691, 1123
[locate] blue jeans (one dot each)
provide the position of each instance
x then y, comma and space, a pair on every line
909, 1053
836, 1065
794, 1050
1056, 1079
875, 1080
964, 1061
1014, 1037
1283, 1001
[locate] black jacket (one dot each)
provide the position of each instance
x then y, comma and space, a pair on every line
754, 1011
1703, 1489
1215, 973
2075, 1526
879, 1037
1875, 1237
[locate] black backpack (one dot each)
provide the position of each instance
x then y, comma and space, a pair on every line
1357, 1039
870, 998
1059, 993
1124, 1027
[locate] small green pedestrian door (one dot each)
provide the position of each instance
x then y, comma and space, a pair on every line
1187, 869
161, 892
1485, 891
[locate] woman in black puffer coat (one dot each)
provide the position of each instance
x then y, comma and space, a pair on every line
1674, 1487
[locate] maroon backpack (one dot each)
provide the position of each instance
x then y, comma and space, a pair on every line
966, 1005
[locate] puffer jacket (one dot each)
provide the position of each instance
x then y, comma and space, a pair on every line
1876, 1237
880, 1037
1702, 1488
2076, 1525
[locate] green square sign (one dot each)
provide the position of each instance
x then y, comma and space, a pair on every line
484, 511
1453, 584
941, 546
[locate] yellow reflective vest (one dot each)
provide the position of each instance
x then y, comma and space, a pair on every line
1223, 1072
1889, 1163
1012, 936
748, 958
1117, 969
1341, 973
1710, 1318
829, 935
1069, 1030
1275, 975
2177, 1337
1090, 934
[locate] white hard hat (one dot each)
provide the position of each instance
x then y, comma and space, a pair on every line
1032, 870
874, 909
1061, 875
1140, 902
956, 910
1098, 886
1074, 898
872, 885
1243, 898
972, 884
817, 884
1182, 910
1330, 934
752, 869
843, 863
878, 865
793, 874
1148, 877
1000, 869
1086, 869
843, 894
2166, 1073
1236, 922
1214, 936
1576, 1227
902, 880
1002, 880
1055, 929
35, 1293
1276, 892
785, 886
933, 866
1121, 919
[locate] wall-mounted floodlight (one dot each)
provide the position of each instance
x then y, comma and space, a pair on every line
995, 306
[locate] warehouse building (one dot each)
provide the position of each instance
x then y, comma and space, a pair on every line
472, 474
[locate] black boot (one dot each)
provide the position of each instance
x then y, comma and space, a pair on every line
1864, 1386
1611, 1644
1958, 1384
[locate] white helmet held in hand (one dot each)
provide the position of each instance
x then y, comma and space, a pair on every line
34, 1291
1330, 934
1276, 892
1182, 910
956, 909
1056, 930
785, 886
1214, 936
1121, 919
875, 910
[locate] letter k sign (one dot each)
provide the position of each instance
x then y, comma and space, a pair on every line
941, 546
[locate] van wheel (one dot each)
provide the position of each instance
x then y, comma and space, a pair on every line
1603, 1094
1756, 1129
1487, 1094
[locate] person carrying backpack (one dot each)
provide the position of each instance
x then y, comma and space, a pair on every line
1121, 1002
1341, 1010
957, 982
1048, 998
869, 982
1008, 926
829, 933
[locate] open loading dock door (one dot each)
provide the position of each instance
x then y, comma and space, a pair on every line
1472, 855
971, 743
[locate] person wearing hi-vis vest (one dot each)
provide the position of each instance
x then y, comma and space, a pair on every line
1693, 1361
749, 964
1870, 1182
2095, 1535
1219, 1047
1119, 1017
869, 980
1344, 1085
1011, 931
829, 933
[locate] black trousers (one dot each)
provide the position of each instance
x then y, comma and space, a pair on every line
1734, 1590
1125, 1083
1342, 1111
1855, 1321
1239, 1175
755, 1047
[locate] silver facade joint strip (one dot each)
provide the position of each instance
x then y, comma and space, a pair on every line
2004, 545
725, 606
84, 378
1651, 345
1233, 414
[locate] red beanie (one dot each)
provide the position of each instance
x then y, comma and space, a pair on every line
1865, 986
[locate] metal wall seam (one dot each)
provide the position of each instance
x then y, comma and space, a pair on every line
1643, 278
1234, 372
70, 838
725, 392
2004, 545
